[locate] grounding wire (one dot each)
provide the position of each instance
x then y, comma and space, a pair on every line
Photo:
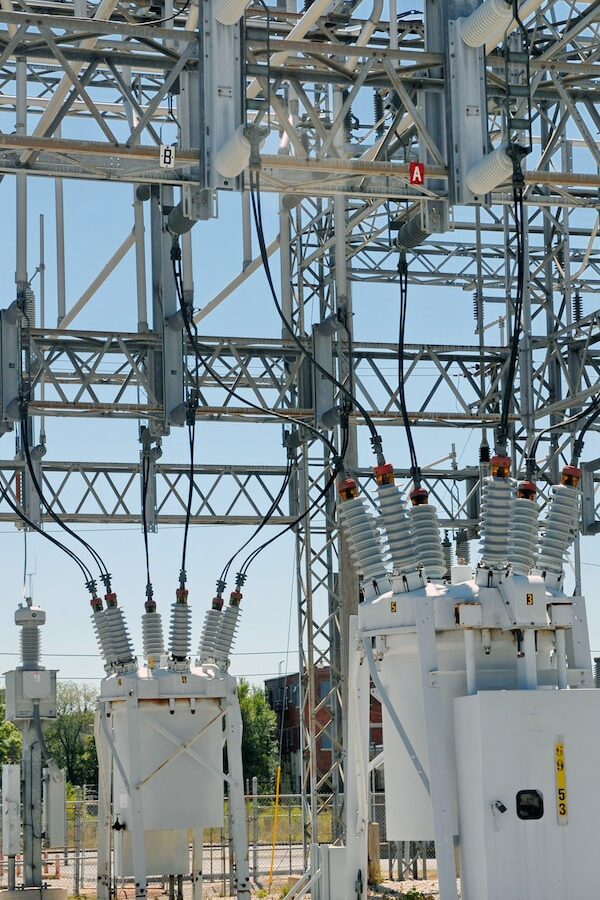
257, 215
104, 574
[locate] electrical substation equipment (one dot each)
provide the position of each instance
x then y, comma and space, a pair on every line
33, 794
162, 732
485, 684
211, 103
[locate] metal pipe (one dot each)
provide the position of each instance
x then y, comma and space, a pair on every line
42, 265
140, 262
561, 659
470, 661
21, 128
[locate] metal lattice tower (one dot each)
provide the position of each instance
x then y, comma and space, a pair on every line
85, 90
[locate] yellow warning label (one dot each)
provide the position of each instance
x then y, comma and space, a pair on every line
561, 782
529, 599
393, 606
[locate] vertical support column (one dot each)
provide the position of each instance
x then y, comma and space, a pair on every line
197, 864
357, 767
31, 767
237, 804
137, 810
167, 364
439, 776
21, 128
140, 260
104, 818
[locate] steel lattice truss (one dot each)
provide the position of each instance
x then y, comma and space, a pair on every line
87, 91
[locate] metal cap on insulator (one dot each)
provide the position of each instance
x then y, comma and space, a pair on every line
181, 595
347, 489
235, 598
419, 496
111, 599
96, 603
384, 474
217, 602
526, 490
571, 476
500, 466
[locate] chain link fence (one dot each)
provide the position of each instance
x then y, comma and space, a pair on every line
274, 842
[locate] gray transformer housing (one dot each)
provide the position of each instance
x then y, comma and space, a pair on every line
25, 688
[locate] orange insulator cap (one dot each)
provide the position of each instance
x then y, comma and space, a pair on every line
235, 598
419, 496
111, 599
527, 490
181, 595
384, 474
500, 466
347, 489
217, 603
571, 475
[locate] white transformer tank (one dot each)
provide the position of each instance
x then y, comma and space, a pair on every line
409, 813
165, 730
529, 794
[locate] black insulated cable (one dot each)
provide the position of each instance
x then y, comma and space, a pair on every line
376, 441
104, 574
403, 278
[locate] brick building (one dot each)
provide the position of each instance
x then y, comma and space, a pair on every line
283, 696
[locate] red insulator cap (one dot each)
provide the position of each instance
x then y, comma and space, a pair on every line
384, 474
235, 598
217, 602
96, 604
111, 599
500, 466
571, 475
527, 490
347, 489
419, 496
181, 595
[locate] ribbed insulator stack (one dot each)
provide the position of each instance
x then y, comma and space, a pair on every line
180, 631
496, 503
359, 528
396, 527
523, 531
463, 548
100, 626
226, 634
121, 647
487, 18
212, 619
30, 646
152, 636
559, 525
425, 532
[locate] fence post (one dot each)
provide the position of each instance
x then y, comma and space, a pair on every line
77, 838
255, 828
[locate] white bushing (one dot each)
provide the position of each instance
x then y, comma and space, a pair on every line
484, 21
228, 12
233, 157
493, 169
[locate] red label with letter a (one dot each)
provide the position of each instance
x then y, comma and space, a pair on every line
417, 173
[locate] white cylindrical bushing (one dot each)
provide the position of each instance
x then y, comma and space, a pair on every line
484, 21
228, 12
493, 169
234, 156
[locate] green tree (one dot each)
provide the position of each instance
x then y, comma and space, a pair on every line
70, 739
259, 739
10, 736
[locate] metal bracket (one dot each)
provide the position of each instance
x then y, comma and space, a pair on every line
589, 523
